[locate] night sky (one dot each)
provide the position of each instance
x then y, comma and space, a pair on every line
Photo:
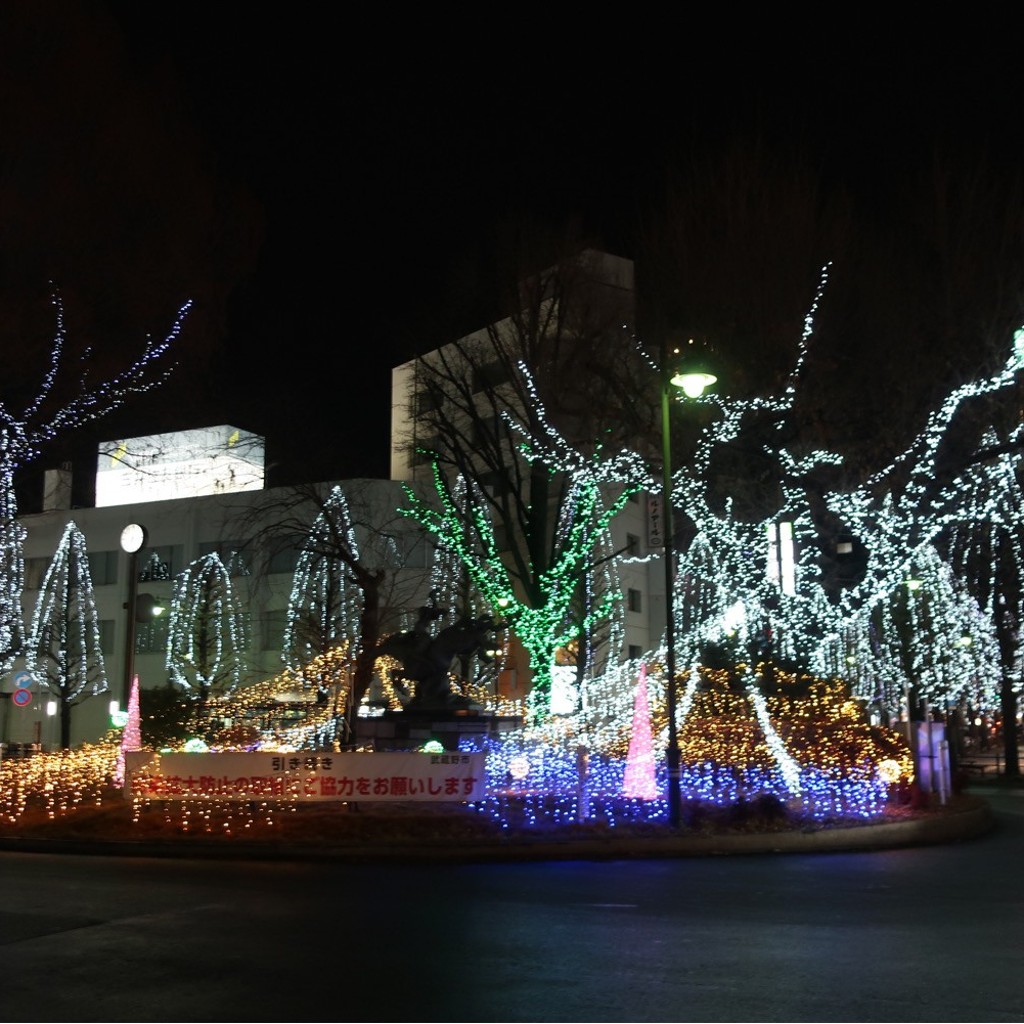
329, 193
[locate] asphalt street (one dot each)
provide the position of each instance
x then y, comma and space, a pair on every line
924, 933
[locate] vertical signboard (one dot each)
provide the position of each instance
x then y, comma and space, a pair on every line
655, 521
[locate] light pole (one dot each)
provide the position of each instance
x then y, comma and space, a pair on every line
138, 606
133, 540
693, 381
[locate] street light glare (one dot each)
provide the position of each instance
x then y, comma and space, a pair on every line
693, 382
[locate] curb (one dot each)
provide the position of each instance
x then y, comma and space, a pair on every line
968, 823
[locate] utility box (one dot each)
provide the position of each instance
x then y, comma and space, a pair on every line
931, 756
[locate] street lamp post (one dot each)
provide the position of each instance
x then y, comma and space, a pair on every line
133, 540
693, 382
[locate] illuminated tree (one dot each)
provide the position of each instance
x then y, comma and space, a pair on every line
841, 607
64, 651
985, 548
728, 600
457, 598
357, 563
493, 408
955, 489
596, 493
596, 612
209, 630
699, 605
922, 299
326, 602
58, 407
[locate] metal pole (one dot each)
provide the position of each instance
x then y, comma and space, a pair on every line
129, 647
672, 753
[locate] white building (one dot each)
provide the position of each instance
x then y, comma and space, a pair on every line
193, 493
642, 580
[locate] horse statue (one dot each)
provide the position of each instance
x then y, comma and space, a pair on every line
426, 660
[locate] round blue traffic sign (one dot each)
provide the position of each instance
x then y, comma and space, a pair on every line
22, 697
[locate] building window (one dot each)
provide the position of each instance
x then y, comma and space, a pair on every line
159, 563
284, 559
487, 430
632, 545
106, 630
634, 600
231, 555
428, 400
103, 567
414, 552
635, 652
272, 629
35, 572
491, 375
151, 637
495, 483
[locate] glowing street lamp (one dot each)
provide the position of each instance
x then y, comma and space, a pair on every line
140, 607
692, 380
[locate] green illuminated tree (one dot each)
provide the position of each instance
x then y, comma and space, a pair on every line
546, 624
528, 409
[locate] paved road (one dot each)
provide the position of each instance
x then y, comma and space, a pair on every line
923, 934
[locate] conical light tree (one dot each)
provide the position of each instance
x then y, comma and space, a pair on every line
64, 650
209, 630
639, 780
325, 603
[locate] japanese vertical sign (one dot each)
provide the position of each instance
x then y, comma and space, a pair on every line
655, 521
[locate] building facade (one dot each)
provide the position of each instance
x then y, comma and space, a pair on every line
607, 283
220, 506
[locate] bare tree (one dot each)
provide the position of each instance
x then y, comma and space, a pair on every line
58, 407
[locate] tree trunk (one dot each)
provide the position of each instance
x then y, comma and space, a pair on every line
1008, 704
369, 631
65, 725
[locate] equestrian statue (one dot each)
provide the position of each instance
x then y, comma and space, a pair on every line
426, 660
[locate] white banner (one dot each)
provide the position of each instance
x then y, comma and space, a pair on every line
305, 776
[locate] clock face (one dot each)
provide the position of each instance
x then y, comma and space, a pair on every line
133, 537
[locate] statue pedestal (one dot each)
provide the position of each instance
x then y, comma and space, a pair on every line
409, 730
